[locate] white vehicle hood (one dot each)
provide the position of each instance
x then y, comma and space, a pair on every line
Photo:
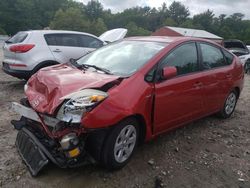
113, 35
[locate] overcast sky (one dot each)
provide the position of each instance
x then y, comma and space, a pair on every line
195, 6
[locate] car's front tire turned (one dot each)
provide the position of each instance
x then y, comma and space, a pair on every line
229, 105
120, 144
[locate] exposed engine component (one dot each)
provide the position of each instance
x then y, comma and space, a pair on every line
70, 145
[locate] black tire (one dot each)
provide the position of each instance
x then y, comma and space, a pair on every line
228, 107
109, 158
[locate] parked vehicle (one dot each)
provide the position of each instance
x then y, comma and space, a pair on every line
28, 51
240, 49
122, 94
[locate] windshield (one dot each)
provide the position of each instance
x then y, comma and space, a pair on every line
122, 58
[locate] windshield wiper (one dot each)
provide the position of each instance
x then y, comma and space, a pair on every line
97, 68
8, 42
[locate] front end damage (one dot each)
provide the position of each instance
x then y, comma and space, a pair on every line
42, 138
51, 125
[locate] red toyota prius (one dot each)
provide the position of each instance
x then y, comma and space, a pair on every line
103, 104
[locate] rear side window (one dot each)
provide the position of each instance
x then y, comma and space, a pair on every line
184, 58
73, 40
62, 40
17, 38
90, 42
229, 57
212, 57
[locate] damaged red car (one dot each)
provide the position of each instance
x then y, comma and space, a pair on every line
99, 107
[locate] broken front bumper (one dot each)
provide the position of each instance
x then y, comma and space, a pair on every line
30, 149
36, 147
25, 111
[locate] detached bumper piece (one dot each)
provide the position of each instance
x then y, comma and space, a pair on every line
30, 152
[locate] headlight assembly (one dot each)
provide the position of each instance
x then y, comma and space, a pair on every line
76, 104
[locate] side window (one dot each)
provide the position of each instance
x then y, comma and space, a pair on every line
90, 42
212, 57
62, 40
50, 39
229, 57
184, 58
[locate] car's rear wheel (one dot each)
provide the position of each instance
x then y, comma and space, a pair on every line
229, 105
120, 144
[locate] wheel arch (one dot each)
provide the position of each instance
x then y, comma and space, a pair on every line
237, 89
142, 126
44, 64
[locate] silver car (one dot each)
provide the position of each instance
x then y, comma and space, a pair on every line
28, 51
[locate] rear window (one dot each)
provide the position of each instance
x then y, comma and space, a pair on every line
234, 45
62, 40
229, 57
73, 40
17, 38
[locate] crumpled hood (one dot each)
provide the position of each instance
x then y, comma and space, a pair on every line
46, 87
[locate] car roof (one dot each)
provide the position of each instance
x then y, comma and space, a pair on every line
165, 39
58, 31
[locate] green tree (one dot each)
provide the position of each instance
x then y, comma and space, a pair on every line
205, 20
2, 32
169, 22
98, 27
134, 30
70, 19
178, 12
94, 10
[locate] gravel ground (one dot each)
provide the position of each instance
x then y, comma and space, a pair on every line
207, 153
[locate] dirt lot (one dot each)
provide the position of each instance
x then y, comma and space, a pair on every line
208, 153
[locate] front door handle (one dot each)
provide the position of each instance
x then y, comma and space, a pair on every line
57, 50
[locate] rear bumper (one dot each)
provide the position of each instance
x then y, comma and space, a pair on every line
21, 74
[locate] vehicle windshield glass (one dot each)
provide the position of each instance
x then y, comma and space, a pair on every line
17, 38
123, 58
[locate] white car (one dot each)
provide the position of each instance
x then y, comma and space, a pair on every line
28, 51
241, 50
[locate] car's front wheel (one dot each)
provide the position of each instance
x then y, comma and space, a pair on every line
229, 105
120, 144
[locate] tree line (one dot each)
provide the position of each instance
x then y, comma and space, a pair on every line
17, 15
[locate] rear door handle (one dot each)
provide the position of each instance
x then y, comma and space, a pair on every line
57, 50
229, 76
198, 84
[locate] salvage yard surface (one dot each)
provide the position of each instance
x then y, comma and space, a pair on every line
207, 153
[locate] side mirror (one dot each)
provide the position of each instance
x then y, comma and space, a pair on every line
169, 72
72, 60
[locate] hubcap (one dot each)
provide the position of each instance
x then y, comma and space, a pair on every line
125, 143
230, 103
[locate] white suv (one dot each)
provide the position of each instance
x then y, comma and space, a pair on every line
28, 51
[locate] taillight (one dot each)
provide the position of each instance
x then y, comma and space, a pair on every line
21, 48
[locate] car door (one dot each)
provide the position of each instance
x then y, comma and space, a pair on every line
178, 99
217, 76
65, 46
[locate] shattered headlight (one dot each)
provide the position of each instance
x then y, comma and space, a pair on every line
76, 104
